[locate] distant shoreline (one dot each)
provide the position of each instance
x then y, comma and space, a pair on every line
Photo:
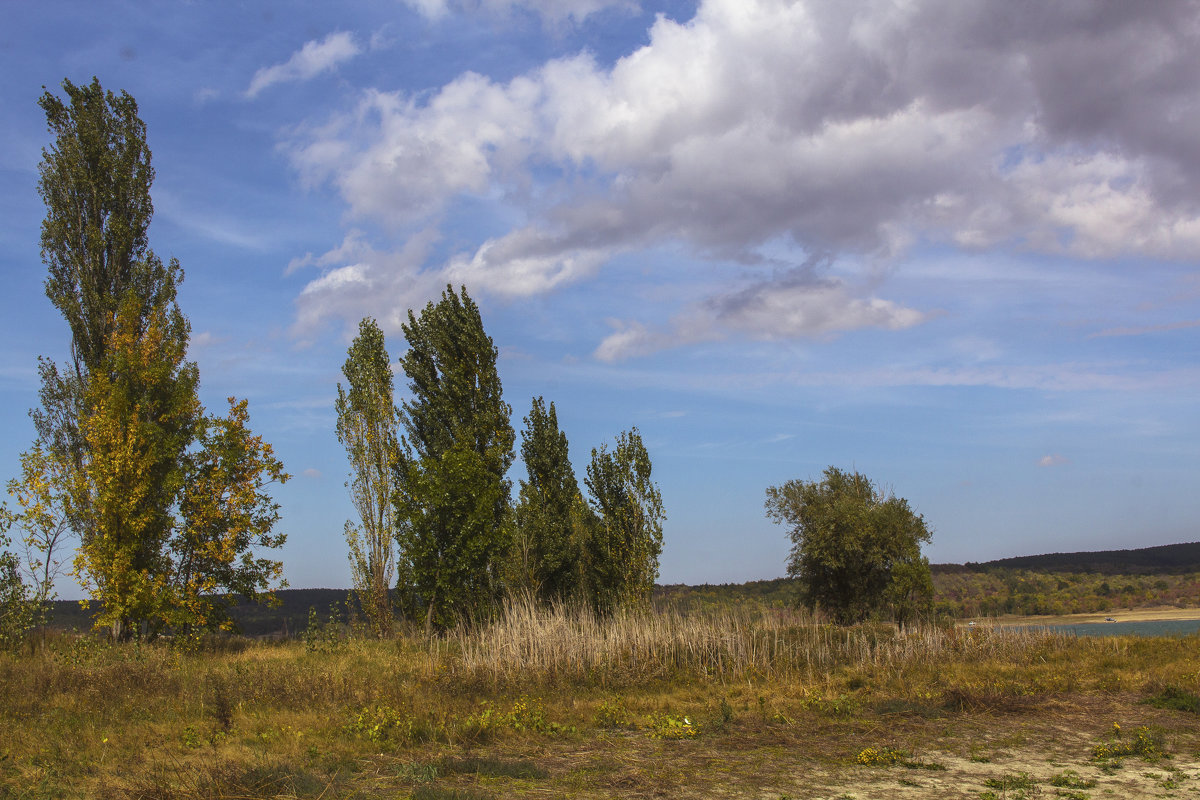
1124, 615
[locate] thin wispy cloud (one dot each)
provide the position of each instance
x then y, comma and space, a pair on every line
309, 61
1145, 329
798, 303
553, 11
1053, 460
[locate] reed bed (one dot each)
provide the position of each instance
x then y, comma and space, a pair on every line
566, 643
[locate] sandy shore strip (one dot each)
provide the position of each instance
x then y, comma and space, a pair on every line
1118, 615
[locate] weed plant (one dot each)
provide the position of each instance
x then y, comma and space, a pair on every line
1145, 743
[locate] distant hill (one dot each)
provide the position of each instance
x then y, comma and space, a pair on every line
290, 617
1168, 558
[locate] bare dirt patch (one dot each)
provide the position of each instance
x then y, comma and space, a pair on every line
1046, 751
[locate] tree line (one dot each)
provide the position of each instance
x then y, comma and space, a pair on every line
166, 505
168, 508
429, 483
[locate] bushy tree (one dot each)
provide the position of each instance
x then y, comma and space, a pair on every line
41, 493
120, 428
452, 496
366, 427
855, 549
547, 543
226, 518
626, 538
17, 608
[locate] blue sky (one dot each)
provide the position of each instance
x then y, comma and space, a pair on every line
945, 244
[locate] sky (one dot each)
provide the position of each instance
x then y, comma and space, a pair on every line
951, 244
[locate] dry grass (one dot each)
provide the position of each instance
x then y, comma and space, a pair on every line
79, 718
573, 645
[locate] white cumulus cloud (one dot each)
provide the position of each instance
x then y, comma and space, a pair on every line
845, 129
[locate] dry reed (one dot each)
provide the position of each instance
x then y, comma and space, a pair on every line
566, 643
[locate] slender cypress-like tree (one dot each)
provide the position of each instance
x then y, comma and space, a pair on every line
452, 495
125, 407
547, 545
166, 502
624, 545
366, 427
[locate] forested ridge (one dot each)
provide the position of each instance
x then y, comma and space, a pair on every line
1043, 584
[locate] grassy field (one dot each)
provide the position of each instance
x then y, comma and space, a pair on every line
557, 703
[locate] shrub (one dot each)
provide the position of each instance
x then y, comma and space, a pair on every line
383, 723
666, 726
876, 756
323, 637
1175, 698
1072, 780
611, 714
1145, 744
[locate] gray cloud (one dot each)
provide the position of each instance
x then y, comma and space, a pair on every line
853, 129
798, 302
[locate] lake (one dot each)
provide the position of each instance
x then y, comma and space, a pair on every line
1158, 627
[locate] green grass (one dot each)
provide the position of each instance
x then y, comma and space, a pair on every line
1175, 698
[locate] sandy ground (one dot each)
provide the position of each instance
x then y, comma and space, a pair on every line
1043, 751
1122, 615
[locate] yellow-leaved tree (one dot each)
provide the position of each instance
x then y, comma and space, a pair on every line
226, 516
169, 505
140, 414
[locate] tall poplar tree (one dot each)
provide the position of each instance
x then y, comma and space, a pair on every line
95, 182
547, 545
166, 502
139, 416
451, 494
623, 549
367, 428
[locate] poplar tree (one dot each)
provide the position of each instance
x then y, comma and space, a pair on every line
452, 495
139, 416
547, 546
626, 540
367, 428
119, 417
95, 182
167, 503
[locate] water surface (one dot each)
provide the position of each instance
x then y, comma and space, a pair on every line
1152, 627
